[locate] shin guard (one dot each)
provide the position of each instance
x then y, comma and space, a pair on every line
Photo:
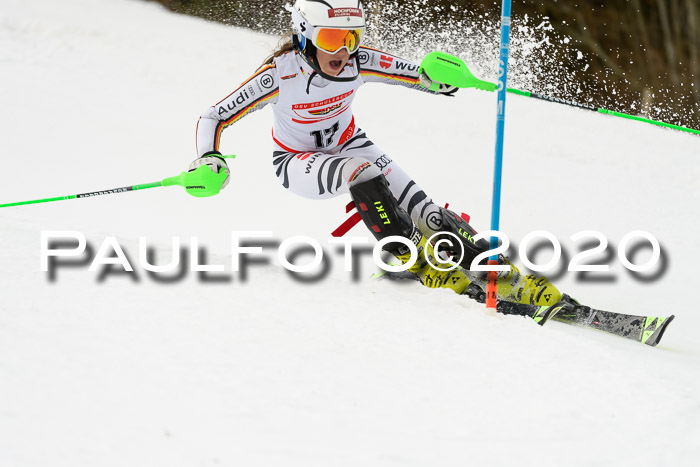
382, 214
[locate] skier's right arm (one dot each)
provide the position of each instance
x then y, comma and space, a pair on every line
259, 90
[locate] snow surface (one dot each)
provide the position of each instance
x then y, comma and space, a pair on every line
99, 94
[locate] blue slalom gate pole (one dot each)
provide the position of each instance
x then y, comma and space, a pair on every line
491, 288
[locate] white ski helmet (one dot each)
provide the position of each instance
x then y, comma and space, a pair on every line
341, 14
329, 25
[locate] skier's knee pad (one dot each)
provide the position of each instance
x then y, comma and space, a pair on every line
467, 248
382, 214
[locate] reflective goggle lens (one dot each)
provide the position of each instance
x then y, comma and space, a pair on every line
332, 40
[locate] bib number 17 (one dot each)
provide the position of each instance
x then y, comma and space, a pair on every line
324, 138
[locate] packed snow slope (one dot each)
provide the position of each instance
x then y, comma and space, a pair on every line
128, 369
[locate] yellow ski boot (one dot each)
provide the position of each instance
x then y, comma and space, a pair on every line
429, 274
513, 286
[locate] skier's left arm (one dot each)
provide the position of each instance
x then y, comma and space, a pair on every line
381, 67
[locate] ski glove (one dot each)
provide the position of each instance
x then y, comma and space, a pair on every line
215, 162
444, 89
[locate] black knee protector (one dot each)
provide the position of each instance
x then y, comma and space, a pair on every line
382, 214
453, 223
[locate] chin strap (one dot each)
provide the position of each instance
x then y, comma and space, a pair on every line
317, 71
308, 86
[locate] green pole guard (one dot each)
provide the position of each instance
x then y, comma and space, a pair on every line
201, 182
445, 68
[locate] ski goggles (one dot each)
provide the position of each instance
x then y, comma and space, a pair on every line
332, 40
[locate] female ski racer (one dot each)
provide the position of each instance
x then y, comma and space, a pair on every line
319, 151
